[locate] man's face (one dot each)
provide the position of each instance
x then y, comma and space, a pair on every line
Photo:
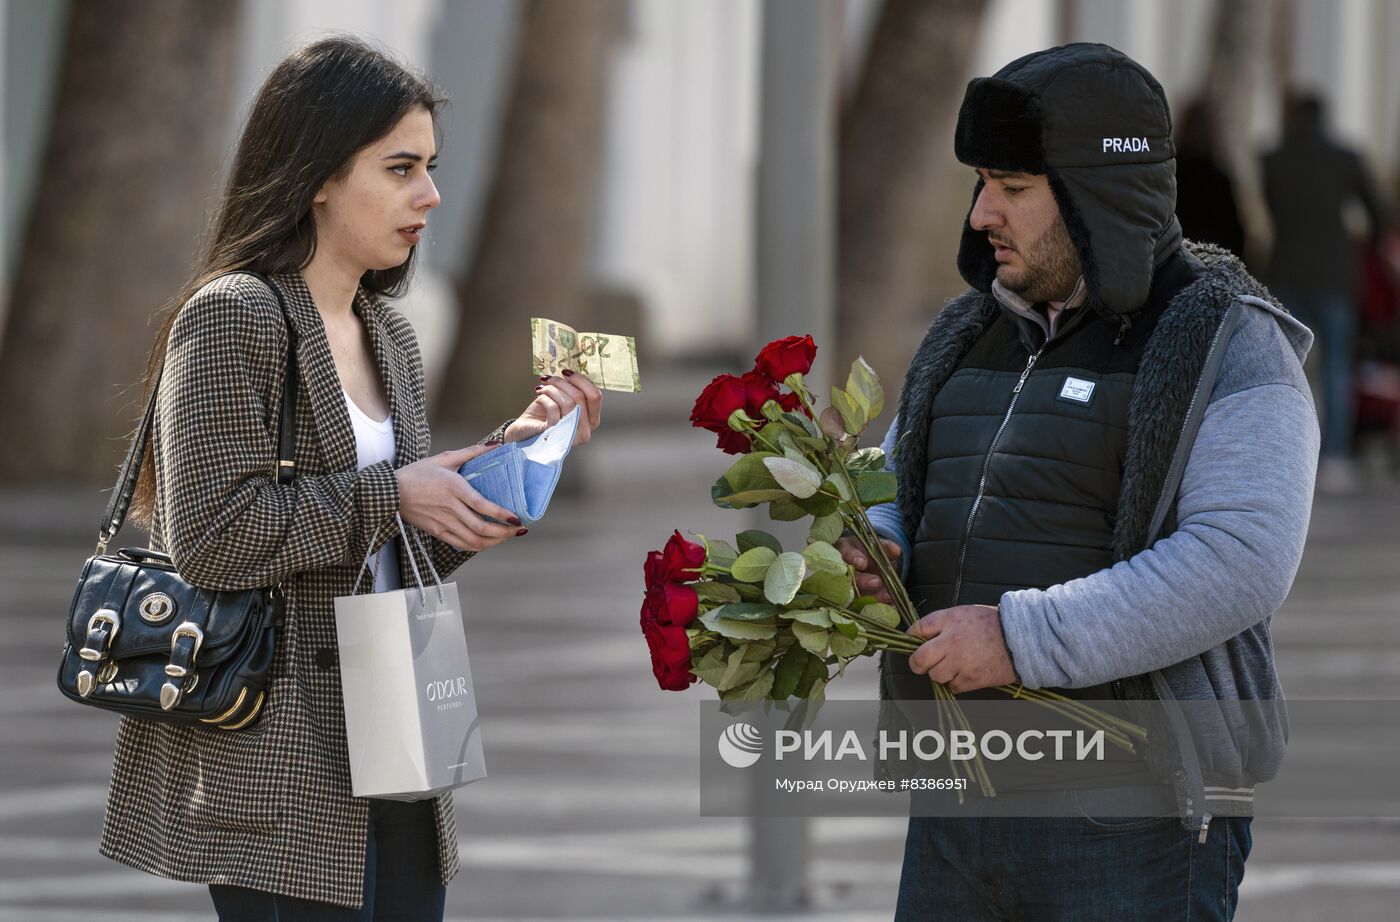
1035, 257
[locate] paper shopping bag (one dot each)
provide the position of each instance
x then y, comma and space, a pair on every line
411, 721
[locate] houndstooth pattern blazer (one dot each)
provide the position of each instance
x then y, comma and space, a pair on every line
268, 807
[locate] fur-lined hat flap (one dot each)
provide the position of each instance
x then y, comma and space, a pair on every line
1096, 124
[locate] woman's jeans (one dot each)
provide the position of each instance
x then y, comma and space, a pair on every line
402, 883
1070, 869
1332, 318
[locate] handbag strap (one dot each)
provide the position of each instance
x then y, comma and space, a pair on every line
285, 469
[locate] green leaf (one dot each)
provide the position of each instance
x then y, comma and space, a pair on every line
789, 672
752, 565
820, 504
866, 459
818, 617
739, 630
876, 487
759, 651
839, 485
814, 672
847, 627
784, 578
843, 645
718, 553
797, 477
864, 385
710, 591
833, 424
803, 422
814, 639
749, 593
816, 694
759, 688
826, 528
822, 556
712, 665
745, 611
853, 416
746, 482
737, 671
881, 613
786, 510
744, 499
832, 588
748, 540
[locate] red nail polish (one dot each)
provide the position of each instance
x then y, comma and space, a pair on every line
544, 377
568, 372
513, 520
523, 531
538, 388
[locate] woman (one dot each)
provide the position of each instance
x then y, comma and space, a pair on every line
328, 195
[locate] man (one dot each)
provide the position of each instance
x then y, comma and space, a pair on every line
1309, 180
1105, 453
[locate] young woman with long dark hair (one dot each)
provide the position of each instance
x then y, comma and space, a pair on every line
328, 194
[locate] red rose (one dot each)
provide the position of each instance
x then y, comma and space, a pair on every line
682, 559
679, 561
733, 443
758, 390
792, 403
786, 356
671, 603
720, 398
670, 654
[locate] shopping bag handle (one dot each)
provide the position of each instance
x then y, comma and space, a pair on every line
412, 561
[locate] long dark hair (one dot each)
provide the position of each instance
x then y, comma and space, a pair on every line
318, 107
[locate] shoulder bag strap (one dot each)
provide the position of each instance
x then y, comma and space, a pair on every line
286, 434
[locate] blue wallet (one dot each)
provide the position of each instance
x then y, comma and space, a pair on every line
521, 476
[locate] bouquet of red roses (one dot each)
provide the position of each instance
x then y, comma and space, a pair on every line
758, 622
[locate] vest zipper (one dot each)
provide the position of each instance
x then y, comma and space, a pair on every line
986, 469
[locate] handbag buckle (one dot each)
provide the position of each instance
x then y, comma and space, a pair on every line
102, 630
184, 650
99, 639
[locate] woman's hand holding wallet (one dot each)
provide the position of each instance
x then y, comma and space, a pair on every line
434, 498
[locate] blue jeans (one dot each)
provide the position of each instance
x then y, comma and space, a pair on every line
401, 877
1332, 318
1070, 869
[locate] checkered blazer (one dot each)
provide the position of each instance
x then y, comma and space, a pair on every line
268, 807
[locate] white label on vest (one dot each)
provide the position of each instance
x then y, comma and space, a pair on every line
1077, 390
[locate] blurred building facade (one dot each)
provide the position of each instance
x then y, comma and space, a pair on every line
674, 222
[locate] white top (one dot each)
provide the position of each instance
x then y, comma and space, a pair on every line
374, 442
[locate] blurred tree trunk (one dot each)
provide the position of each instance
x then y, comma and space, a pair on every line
531, 254
1240, 51
895, 137
133, 153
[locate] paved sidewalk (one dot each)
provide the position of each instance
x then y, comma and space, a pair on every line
590, 810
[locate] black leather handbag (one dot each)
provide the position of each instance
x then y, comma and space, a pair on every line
143, 642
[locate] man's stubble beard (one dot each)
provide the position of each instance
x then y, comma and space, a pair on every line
1051, 267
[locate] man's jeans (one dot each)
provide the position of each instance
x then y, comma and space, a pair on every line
401, 877
1332, 318
1070, 869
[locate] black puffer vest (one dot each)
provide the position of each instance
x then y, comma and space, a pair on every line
1017, 473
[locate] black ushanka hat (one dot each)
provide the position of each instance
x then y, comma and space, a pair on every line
1096, 124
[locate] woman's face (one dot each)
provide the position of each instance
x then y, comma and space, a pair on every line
372, 217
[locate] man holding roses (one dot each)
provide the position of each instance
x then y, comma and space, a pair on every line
1105, 452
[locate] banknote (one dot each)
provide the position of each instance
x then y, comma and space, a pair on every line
607, 360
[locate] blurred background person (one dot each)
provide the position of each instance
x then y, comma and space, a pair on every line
1205, 192
1309, 181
